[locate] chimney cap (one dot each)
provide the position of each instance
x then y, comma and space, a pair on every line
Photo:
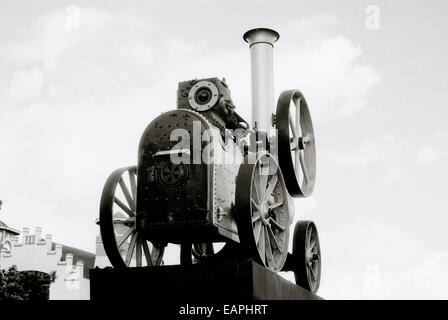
263, 35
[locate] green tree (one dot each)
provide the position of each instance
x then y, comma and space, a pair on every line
24, 285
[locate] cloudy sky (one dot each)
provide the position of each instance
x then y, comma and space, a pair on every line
80, 80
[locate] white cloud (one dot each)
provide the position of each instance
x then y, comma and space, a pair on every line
326, 68
25, 84
383, 149
380, 261
394, 173
397, 157
429, 155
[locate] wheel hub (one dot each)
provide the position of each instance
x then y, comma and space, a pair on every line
302, 143
312, 256
264, 212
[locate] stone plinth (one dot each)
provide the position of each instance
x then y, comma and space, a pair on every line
238, 280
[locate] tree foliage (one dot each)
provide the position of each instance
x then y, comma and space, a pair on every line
24, 285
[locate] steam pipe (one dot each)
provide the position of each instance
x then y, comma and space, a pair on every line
261, 43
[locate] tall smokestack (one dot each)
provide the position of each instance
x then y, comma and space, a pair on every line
261, 43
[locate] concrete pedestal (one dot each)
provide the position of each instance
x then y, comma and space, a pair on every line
238, 280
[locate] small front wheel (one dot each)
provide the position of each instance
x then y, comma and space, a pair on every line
306, 255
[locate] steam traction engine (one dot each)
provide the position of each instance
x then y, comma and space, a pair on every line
205, 176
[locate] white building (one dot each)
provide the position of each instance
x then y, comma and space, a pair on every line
101, 259
69, 265
6, 235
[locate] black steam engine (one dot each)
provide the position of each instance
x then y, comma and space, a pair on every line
205, 176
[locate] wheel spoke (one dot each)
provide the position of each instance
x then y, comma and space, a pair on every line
196, 251
297, 102
147, 253
131, 249
257, 230
138, 253
133, 185
275, 205
202, 248
308, 237
275, 224
272, 239
296, 131
128, 221
257, 186
125, 237
263, 182
254, 203
269, 254
255, 216
158, 254
121, 221
124, 207
313, 244
303, 164
293, 127
127, 194
313, 273
261, 245
272, 185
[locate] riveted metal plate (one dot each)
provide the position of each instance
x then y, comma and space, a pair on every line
170, 194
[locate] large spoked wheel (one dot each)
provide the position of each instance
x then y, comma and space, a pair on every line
296, 143
306, 253
122, 242
262, 212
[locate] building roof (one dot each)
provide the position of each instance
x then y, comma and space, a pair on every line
4, 226
78, 255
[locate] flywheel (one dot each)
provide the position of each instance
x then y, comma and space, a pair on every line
296, 143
